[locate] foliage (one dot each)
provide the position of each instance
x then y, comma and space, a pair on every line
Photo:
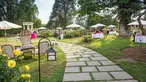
9, 71
61, 13
37, 23
124, 9
46, 33
10, 32
86, 38
18, 11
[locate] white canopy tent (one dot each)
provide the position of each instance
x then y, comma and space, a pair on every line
98, 25
111, 26
8, 25
74, 26
42, 28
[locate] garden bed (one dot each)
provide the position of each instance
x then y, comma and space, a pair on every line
135, 53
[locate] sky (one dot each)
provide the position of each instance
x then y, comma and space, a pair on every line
45, 9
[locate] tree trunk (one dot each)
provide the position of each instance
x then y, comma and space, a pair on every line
140, 25
124, 31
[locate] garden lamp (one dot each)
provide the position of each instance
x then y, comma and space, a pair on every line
51, 54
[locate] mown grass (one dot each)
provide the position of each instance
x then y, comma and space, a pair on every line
112, 47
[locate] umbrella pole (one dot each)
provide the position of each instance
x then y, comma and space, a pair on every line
5, 34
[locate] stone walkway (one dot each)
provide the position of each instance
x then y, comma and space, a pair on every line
84, 64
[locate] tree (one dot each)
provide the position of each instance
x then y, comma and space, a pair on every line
61, 13
124, 9
18, 11
37, 23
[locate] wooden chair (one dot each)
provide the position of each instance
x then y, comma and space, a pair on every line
8, 50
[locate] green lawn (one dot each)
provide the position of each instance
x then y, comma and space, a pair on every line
111, 47
51, 71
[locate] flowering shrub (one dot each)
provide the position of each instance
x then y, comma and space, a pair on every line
9, 71
86, 38
18, 55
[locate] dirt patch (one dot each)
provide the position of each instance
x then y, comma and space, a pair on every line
135, 53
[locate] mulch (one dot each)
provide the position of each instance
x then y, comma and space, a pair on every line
135, 53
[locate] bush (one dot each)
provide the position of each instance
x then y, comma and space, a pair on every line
69, 35
86, 38
76, 34
45, 33
10, 32
9, 71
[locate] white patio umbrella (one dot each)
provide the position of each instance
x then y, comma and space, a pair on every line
98, 25
59, 28
136, 23
42, 28
74, 26
8, 25
111, 26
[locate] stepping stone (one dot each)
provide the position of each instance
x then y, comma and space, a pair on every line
86, 55
121, 75
109, 68
74, 56
102, 76
96, 55
84, 59
124, 81
72, 69
72, 59
89, 69
77, 77
91, 63
69, 54
75, 64
107, 63
98, 58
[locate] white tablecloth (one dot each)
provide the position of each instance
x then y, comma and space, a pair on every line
97, 35
61, 36
140, 39
112, 32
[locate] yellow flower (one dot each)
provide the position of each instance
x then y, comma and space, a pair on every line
4, 55
28, 75
26, 67
23, 75
11, 63
1, 51
17, 52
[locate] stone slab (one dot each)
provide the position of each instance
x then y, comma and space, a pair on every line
109, 68
98, 58
102, 76
72, 69
72, 59
93, 63
89, 69
77, 77
83, 59
86, 55
74, 56
121, 75
107, 63
75, 64
96, 55
124, 81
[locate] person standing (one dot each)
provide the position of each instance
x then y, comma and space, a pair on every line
55, 37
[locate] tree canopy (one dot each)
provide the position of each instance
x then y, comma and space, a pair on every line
61, 13
18, 11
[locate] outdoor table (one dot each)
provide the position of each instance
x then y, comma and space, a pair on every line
97, 35
140, 38
112, 32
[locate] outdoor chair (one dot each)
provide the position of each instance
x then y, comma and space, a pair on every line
8, 50
44, 45
25, 37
